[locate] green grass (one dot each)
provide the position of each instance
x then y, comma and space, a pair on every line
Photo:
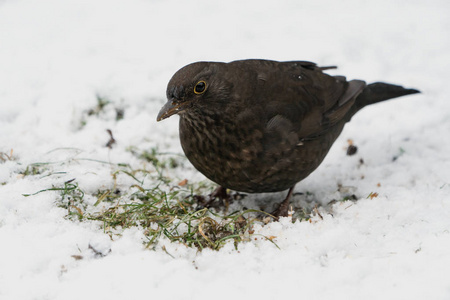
163, 210
34, 169
174, 216
103, 103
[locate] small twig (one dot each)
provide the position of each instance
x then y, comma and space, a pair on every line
98, 253
111, 141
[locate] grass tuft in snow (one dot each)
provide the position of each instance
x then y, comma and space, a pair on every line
174, 216
158, 205
158, 159
34, 169
6, 156
103, 105
72, 198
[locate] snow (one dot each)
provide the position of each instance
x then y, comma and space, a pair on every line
57, 56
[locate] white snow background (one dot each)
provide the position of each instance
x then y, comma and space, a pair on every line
56, 56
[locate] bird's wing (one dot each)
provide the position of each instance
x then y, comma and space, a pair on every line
294, 102
314, 101
335, 110
306, 103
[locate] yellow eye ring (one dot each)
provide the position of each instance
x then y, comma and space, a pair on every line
200, 87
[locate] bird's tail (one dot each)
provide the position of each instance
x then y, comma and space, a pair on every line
380, 91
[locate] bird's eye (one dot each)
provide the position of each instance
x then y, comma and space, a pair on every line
200, 87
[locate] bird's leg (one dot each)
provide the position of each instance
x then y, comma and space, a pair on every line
219, 193
283, 208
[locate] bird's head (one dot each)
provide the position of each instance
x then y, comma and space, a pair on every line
193, 88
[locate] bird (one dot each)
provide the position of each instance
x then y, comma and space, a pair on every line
260, 126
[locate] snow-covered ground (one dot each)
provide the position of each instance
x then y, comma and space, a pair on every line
57, 56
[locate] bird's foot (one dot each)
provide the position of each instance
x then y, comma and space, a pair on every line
219, 193
283, 208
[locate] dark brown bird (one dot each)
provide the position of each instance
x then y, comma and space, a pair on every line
261, 126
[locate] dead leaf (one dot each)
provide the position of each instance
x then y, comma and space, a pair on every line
183, 182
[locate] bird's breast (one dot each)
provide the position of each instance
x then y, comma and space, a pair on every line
222, 149
207, 139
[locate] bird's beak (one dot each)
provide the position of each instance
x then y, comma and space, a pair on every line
170, 108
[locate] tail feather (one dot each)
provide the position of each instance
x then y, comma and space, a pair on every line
380, 91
